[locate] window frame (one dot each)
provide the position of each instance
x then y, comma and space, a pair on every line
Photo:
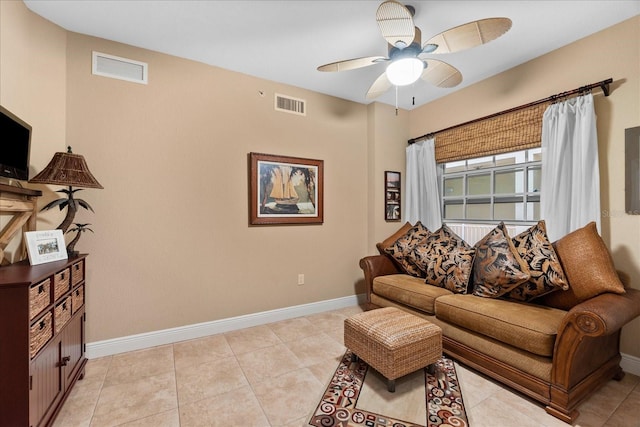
525, 197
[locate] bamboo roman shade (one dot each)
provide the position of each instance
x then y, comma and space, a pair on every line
511, 131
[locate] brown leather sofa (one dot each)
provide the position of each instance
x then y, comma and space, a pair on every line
557, 356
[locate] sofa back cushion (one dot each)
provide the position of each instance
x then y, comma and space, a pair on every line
588, 266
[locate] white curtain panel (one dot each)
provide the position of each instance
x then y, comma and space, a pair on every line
570, 177
422, 199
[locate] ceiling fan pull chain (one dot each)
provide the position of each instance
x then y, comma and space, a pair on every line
396, 100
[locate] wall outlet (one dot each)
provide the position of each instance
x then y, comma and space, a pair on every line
300, 279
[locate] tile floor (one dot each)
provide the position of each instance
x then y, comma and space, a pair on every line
273, 375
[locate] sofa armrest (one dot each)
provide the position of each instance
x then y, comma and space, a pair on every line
599, 318
374, 266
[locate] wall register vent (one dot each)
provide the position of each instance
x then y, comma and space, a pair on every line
291, 105
119, 68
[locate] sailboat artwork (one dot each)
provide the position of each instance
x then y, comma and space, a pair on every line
287, 189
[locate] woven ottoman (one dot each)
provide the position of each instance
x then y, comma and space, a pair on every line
393, 342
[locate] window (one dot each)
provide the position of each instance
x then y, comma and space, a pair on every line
504, 187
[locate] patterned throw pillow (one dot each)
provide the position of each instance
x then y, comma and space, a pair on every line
497, 267
451, 270
439, 242
547, 275
401, 249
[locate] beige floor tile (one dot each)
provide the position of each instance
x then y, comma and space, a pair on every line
349, 311
327, 321
236, 408
267, 363
337, 335
324, 370
251, 339
163, 419
313, 350
604, 402
132, 401
475, 387
294, 329
132, 366
493, 412
206, 380
628, 413
288, 397
202, 350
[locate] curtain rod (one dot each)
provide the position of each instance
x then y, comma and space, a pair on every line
604, 85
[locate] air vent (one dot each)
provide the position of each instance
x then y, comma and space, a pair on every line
291, 105
119, 68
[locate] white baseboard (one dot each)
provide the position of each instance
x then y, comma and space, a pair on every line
199, 330
630, 364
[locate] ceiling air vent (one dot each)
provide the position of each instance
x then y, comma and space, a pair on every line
119, 68
288, 104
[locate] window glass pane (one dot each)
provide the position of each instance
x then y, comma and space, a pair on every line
533, 211
453, 187
511, 158
533, 182
480, 162
535, 154
479, 184
479, 211
454, 212
455, 166
509, 182
509, 211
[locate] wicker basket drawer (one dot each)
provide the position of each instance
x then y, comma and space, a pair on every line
62, 314
77, 297
61, 283
39, 298
77, 273
41, 332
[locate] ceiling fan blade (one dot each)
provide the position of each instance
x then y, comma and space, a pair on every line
441, 74
396, 23
469, 35
352, 64
380, 86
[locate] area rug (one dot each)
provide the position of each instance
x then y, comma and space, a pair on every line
342, 404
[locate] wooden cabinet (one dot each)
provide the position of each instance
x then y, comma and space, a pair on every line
42, 339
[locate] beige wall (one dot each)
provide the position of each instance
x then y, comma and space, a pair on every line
615, 53
172, 245
33, 87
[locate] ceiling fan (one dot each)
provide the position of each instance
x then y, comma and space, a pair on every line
406, 61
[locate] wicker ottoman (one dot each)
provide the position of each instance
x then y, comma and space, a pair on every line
393, 342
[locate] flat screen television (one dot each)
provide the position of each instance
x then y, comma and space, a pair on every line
15, 145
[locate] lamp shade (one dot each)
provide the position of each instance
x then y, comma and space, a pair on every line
405, 71
67, 169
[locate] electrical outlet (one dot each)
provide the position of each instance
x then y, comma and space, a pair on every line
300, 279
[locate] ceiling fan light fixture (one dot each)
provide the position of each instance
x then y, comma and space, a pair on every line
405, 71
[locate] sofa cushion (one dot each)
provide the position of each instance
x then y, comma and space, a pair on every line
547, 275
522, 325
497, 267
408, 290
451, 270
401, 249
588, 266
381, 246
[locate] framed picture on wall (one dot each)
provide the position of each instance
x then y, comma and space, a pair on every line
285, 190
392, 209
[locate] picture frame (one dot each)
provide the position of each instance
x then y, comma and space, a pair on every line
285, 190
45, 246
392, 196
632, 170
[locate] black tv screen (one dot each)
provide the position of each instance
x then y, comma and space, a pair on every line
15, 142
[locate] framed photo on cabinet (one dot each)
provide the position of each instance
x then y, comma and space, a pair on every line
392, 209
285, 190
45, 246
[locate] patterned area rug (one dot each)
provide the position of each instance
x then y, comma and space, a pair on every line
340, 406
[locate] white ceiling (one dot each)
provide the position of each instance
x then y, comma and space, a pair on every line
285, 41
